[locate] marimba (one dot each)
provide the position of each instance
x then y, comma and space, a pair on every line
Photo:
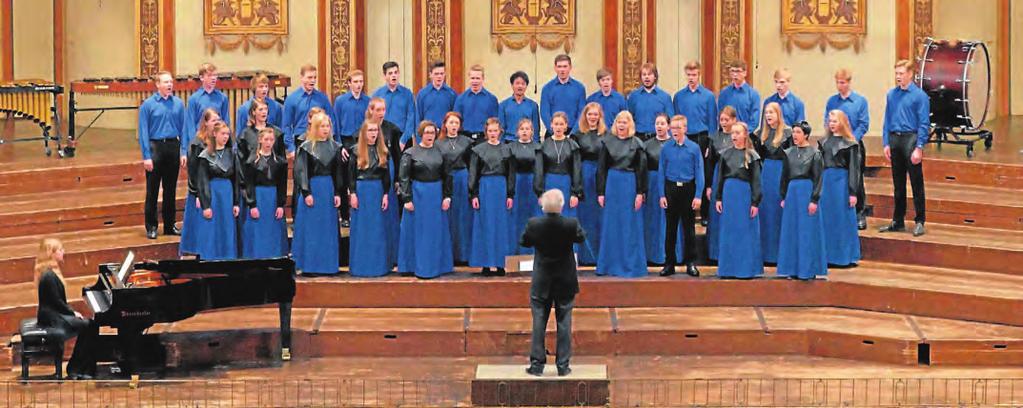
236, 85
35, 100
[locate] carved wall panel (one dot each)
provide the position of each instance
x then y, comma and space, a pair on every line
147, 33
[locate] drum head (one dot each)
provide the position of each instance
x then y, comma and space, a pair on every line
978, 87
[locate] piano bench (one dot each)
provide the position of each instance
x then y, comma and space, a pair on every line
40, 342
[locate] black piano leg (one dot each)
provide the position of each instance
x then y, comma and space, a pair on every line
129, 339
285, 311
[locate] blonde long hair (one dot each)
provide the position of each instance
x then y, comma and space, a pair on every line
584, 125
779, 132
631, 130
362, 149
312, 132
44, 259
844, 129
747, 145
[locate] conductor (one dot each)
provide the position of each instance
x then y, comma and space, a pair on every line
554, 279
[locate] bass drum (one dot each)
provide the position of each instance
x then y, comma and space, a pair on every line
956, 75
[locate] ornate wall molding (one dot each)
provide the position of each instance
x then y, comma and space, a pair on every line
437, 34
923, 23
347, 42
730, 41
636, 29
549, 25
147, 35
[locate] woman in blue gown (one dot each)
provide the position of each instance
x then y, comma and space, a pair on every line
265, 181
525, 205
391, 136
590, 138
218, 182
492, 191
801, 250
654, 218
320, 187
736, 197
425, 191
191, 224
621, 184
771, 141
559, 165
369, 178
719, 142
841, 179
456, 148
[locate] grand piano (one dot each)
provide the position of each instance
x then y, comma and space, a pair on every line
131, 297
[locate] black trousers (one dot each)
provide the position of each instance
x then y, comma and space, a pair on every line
902, 145
703, 140
83, 359
166, 161
861, 192
541, 309
680, 207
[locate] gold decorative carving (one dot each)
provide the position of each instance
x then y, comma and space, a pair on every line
632, 43
838, 23
923, 26
730, 42
341, 42
148, 34
546, 23
435, 36
230, 24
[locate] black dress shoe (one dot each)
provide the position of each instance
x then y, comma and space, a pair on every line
151, 233
564, 371
919, 229
861, 222
704, 222
893, 227
171, 231
346, 224
668, 270
534, 371
486, 272
500, 272
691, 270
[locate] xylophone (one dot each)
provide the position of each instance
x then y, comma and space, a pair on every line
236, 85
35, 100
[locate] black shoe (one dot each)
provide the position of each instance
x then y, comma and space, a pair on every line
486, 272
692, 271
171, 231
893, 227
79, 377
861, 222
668, 270
535, 371
703, 223
564, 371
919, 230
151, 232
346, 224
500, 272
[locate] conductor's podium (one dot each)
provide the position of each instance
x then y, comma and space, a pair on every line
508, 385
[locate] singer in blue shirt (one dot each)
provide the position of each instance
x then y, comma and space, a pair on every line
436, 99
610, 100
401, 106
476, 105
517, 107
646, 101
858, 111
741, 96
697, 104
906, 129
792, 108
261, 91
297, 105
562, 94
207, 96
681, 174
350, 109
161, 123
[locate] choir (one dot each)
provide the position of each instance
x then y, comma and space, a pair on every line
459, 188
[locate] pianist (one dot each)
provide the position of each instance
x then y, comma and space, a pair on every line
55, 314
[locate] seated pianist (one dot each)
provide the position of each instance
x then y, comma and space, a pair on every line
57, 317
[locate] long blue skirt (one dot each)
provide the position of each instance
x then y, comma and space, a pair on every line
739, 255
770, 209
561, 182
841, 238
713, 222
191, 228
460, 215
265, 237
369, 235
590, 214
315, 243
801, 250
524, 208
655, 222
220, 233
621, 247
425, 246
490, 224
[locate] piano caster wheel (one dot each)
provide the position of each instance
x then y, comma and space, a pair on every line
134, 382
286, 354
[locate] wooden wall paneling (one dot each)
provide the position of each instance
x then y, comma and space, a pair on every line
903, 28
322, 44
632, 50
58, 43
434, 29
417, 49
708, 44
651, 30
611, 39
345, 39
456, 59
147, 36
730, 41
167, 58
747, 34
923, 25
1002, 90
7, 48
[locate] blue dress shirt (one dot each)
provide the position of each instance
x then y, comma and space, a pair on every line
476, 108
274, 115
855, 107
199, 102
746, 102
510, 113
681, 163
160, 118
645, 104
350, 113
908, 110
432, 103
568, 97
296, 112
401, 110
611, 104
792, 108
699, 108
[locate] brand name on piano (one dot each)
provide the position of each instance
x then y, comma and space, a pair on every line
136, 313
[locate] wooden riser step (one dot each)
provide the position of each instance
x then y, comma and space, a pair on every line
946, 246
956, 204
